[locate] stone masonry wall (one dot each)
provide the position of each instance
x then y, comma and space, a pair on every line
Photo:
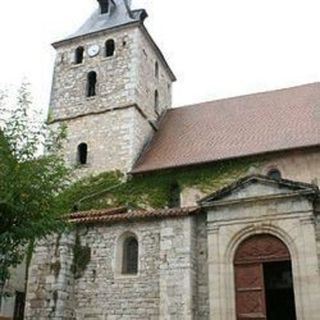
201, 254
114, 140
141, 134
102, 292
124, 79
317, 229
178, 269
148, 82
170, 282
50, 285
115, 75
109, 123
294, 165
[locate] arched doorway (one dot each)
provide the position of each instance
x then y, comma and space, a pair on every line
263, 280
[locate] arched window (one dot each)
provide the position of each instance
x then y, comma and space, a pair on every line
274, 174
156, 101
79, 55
110, 48
157, 70
174, 196
91, 84
82, 153
130, 256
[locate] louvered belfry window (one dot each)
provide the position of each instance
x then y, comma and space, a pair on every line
110, 48
79, 55
130, 256
91, 84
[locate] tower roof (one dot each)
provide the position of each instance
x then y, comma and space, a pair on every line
113, 14
109, 15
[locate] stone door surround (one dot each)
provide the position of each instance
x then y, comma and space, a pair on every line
259, 205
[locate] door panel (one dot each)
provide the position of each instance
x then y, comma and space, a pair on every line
255, 297
250, 292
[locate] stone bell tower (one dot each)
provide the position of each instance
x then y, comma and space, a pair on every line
111, 85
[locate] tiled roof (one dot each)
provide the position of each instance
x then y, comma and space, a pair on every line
236, 127
123, 215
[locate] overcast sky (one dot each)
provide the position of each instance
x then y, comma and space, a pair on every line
217, 48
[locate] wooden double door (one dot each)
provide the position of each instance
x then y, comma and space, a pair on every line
263, 280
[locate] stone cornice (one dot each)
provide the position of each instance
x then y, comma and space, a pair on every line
242, 201
82, 115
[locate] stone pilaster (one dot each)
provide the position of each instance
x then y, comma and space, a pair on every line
50, 284
177, 269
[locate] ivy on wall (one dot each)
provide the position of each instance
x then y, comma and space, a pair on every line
81, 257
113, 189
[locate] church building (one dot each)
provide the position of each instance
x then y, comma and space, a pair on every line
245, 249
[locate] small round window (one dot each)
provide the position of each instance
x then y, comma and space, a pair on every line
274, 174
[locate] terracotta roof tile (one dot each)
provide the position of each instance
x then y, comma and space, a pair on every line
235, 127
123, 215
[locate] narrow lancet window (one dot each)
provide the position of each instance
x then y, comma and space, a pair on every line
110, 48
82, 153
79, 55
156, 101
130, 256
91, 84
157, 70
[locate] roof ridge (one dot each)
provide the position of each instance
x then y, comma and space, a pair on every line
243, 96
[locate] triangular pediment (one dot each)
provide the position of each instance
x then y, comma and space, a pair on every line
258, 186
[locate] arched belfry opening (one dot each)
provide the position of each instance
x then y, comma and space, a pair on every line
263, 279
110, 47
79, 54
91, 84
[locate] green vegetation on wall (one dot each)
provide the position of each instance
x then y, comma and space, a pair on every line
113, 189
81, 257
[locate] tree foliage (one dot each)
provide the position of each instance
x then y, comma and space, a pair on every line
32, 174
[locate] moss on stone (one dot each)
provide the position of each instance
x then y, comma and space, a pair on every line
113, 189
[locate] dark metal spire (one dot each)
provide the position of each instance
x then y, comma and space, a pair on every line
110, 14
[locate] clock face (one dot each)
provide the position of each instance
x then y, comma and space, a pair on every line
93, 50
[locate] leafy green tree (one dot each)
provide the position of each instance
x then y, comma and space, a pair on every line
32, 174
